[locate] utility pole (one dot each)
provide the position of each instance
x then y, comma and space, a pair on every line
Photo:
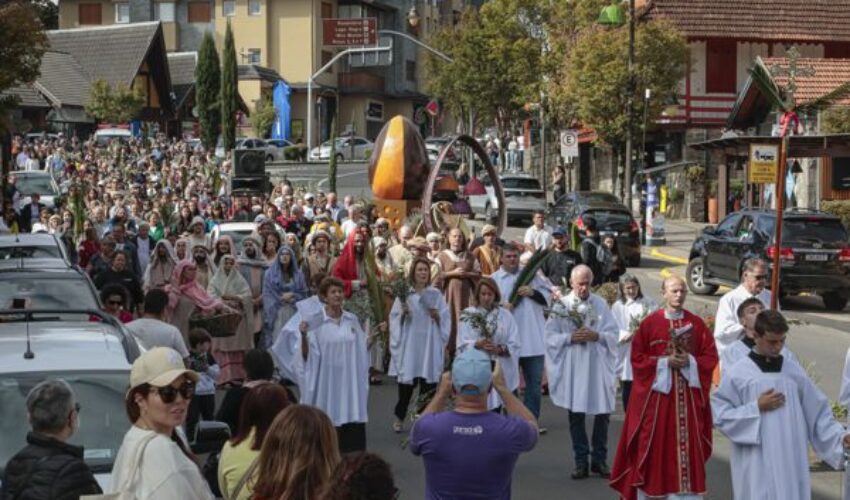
630, 106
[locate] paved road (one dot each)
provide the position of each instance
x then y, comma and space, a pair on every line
352, 178
544, 473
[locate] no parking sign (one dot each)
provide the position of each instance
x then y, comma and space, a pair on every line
569, 143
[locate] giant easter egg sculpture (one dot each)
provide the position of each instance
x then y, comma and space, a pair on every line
398, 169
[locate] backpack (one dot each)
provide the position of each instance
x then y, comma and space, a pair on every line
604, 260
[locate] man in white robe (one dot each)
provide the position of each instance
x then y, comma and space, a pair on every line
581, 356
727, 328
771, 411
529, 313
740, 349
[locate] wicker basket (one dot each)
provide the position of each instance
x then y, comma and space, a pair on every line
218, 325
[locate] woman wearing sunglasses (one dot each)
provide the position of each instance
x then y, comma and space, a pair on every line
154, 462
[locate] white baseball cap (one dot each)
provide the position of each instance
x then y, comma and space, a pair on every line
159, 367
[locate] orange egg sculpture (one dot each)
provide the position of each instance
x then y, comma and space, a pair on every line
398, 168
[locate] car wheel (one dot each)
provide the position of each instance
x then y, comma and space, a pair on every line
834, 301
696, 280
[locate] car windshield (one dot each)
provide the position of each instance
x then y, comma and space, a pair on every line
605, 217
46, 292
103, 421
29, 184
7, 253
520, 183
599, 198
808, 230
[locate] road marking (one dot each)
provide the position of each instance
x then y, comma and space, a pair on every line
669, 258
324, 181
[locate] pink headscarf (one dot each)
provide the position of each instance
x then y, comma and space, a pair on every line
189, 289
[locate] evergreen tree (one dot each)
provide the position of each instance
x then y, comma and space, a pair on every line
229, 92
207, 82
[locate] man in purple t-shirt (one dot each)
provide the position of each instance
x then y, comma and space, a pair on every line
470, 452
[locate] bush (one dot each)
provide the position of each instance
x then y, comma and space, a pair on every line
840, 208
295, 153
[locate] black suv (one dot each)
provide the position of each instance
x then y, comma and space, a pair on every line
814, 255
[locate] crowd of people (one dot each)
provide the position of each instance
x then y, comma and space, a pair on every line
464, 329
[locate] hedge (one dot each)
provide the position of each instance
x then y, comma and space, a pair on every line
841, 208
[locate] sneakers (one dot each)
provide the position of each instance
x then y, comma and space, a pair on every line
601, 469
581, 472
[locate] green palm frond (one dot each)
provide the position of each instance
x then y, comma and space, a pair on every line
763, 79
527, 274
827, 99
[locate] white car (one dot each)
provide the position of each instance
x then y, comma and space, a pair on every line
273, 152
347, 149
36, 181
238, 231
104, 135
523, 196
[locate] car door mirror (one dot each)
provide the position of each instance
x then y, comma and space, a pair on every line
709, 230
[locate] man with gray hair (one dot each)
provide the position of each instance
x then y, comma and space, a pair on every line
49, 467
727, 327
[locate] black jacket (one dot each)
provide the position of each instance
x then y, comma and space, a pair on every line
47, 469
25, 217
559, 265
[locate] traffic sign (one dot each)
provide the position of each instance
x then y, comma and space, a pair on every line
349, 32
433, 107
569, 143
764, 160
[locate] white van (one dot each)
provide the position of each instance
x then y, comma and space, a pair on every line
104, 135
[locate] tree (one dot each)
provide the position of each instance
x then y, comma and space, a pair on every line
835, 120
22, 44
118, 104
229, 92
263, 116
47, 12
207, 82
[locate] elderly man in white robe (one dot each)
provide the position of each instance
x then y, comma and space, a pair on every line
581, 356
727, 328
528, 312
771, 411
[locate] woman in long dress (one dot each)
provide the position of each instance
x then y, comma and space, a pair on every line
460, 272
185, 296
161, 266
493, 331
419, 330
283, 286
229, 286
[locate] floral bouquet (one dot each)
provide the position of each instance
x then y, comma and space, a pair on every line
359, 305
484, 322
579, 313
636, 319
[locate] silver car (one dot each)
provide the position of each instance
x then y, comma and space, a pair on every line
38, 182
347, 149
523, 193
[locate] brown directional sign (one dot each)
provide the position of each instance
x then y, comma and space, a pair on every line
350, 32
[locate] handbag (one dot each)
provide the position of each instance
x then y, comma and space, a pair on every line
244, 479
126, 491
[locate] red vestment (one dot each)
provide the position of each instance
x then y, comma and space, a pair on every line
346, 266
666, 438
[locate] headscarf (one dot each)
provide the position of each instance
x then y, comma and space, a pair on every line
275, 285
188, 255
189, 289
171, 258
233, 283
345, 267
215, 256
246, 263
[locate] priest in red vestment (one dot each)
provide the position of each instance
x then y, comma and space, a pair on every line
666, 438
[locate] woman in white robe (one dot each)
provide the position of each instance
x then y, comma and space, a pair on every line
503, 345
419, 330
627, 310
229, 286
285, 347
333, 367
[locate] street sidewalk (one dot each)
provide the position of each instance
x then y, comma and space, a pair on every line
680, 236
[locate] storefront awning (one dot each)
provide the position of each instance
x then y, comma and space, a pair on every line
667, 166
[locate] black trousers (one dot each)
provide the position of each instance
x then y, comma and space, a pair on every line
405, 393
626, 386
351, 437
200, 407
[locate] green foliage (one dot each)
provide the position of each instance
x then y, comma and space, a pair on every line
263, 117
712, 189
593, 85
838, 410
229, 91
332, 159
114, 104
839, 208
207, 83
47, 13
22, 43
835, 121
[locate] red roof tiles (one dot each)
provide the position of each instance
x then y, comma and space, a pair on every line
829, 75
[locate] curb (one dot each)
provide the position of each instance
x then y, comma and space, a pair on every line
669, 258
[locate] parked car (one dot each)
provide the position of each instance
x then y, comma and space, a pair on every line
347, 149
612, 218
523, 195
41, 136
49, 288
272, 152
434, 145
105, 135
36, 181
814, 253
237, 231
33, 251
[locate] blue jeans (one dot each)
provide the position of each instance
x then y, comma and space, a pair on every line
532, 371
599, 439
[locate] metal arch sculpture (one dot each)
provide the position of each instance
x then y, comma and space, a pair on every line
491, 171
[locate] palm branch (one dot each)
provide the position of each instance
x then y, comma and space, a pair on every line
527, 274
374, 288
763, 79
827, 99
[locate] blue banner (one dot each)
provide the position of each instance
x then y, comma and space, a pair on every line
280, 99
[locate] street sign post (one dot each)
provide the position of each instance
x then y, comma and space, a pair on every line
569, 143
349, 32
764, 161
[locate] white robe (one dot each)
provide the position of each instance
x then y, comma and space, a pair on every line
335, 375
581, 376
769, 458
287, 344
527, 313
727, 328
507, 335
844, 392
417, 347
738, 350
623, 314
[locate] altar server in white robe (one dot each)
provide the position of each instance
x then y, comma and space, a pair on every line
581, 356
628, 311
771, 411
333, 368
286, 346
530, 320
740, 349
501, 339
419, 330
727, 328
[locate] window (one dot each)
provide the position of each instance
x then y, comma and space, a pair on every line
228, 8
199, 12
410, 70
253, 56
164, 11
326, 58
729, 225
122, 13
721, 61
253, 7
327, 10
90, 13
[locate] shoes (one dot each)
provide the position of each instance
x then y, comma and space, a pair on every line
542, 430
600, 469
581, 472
398, 426
375, 380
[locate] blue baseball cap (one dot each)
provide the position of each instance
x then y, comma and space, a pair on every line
559, 231
471, 375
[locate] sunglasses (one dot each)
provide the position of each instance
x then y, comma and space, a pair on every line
168, 394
